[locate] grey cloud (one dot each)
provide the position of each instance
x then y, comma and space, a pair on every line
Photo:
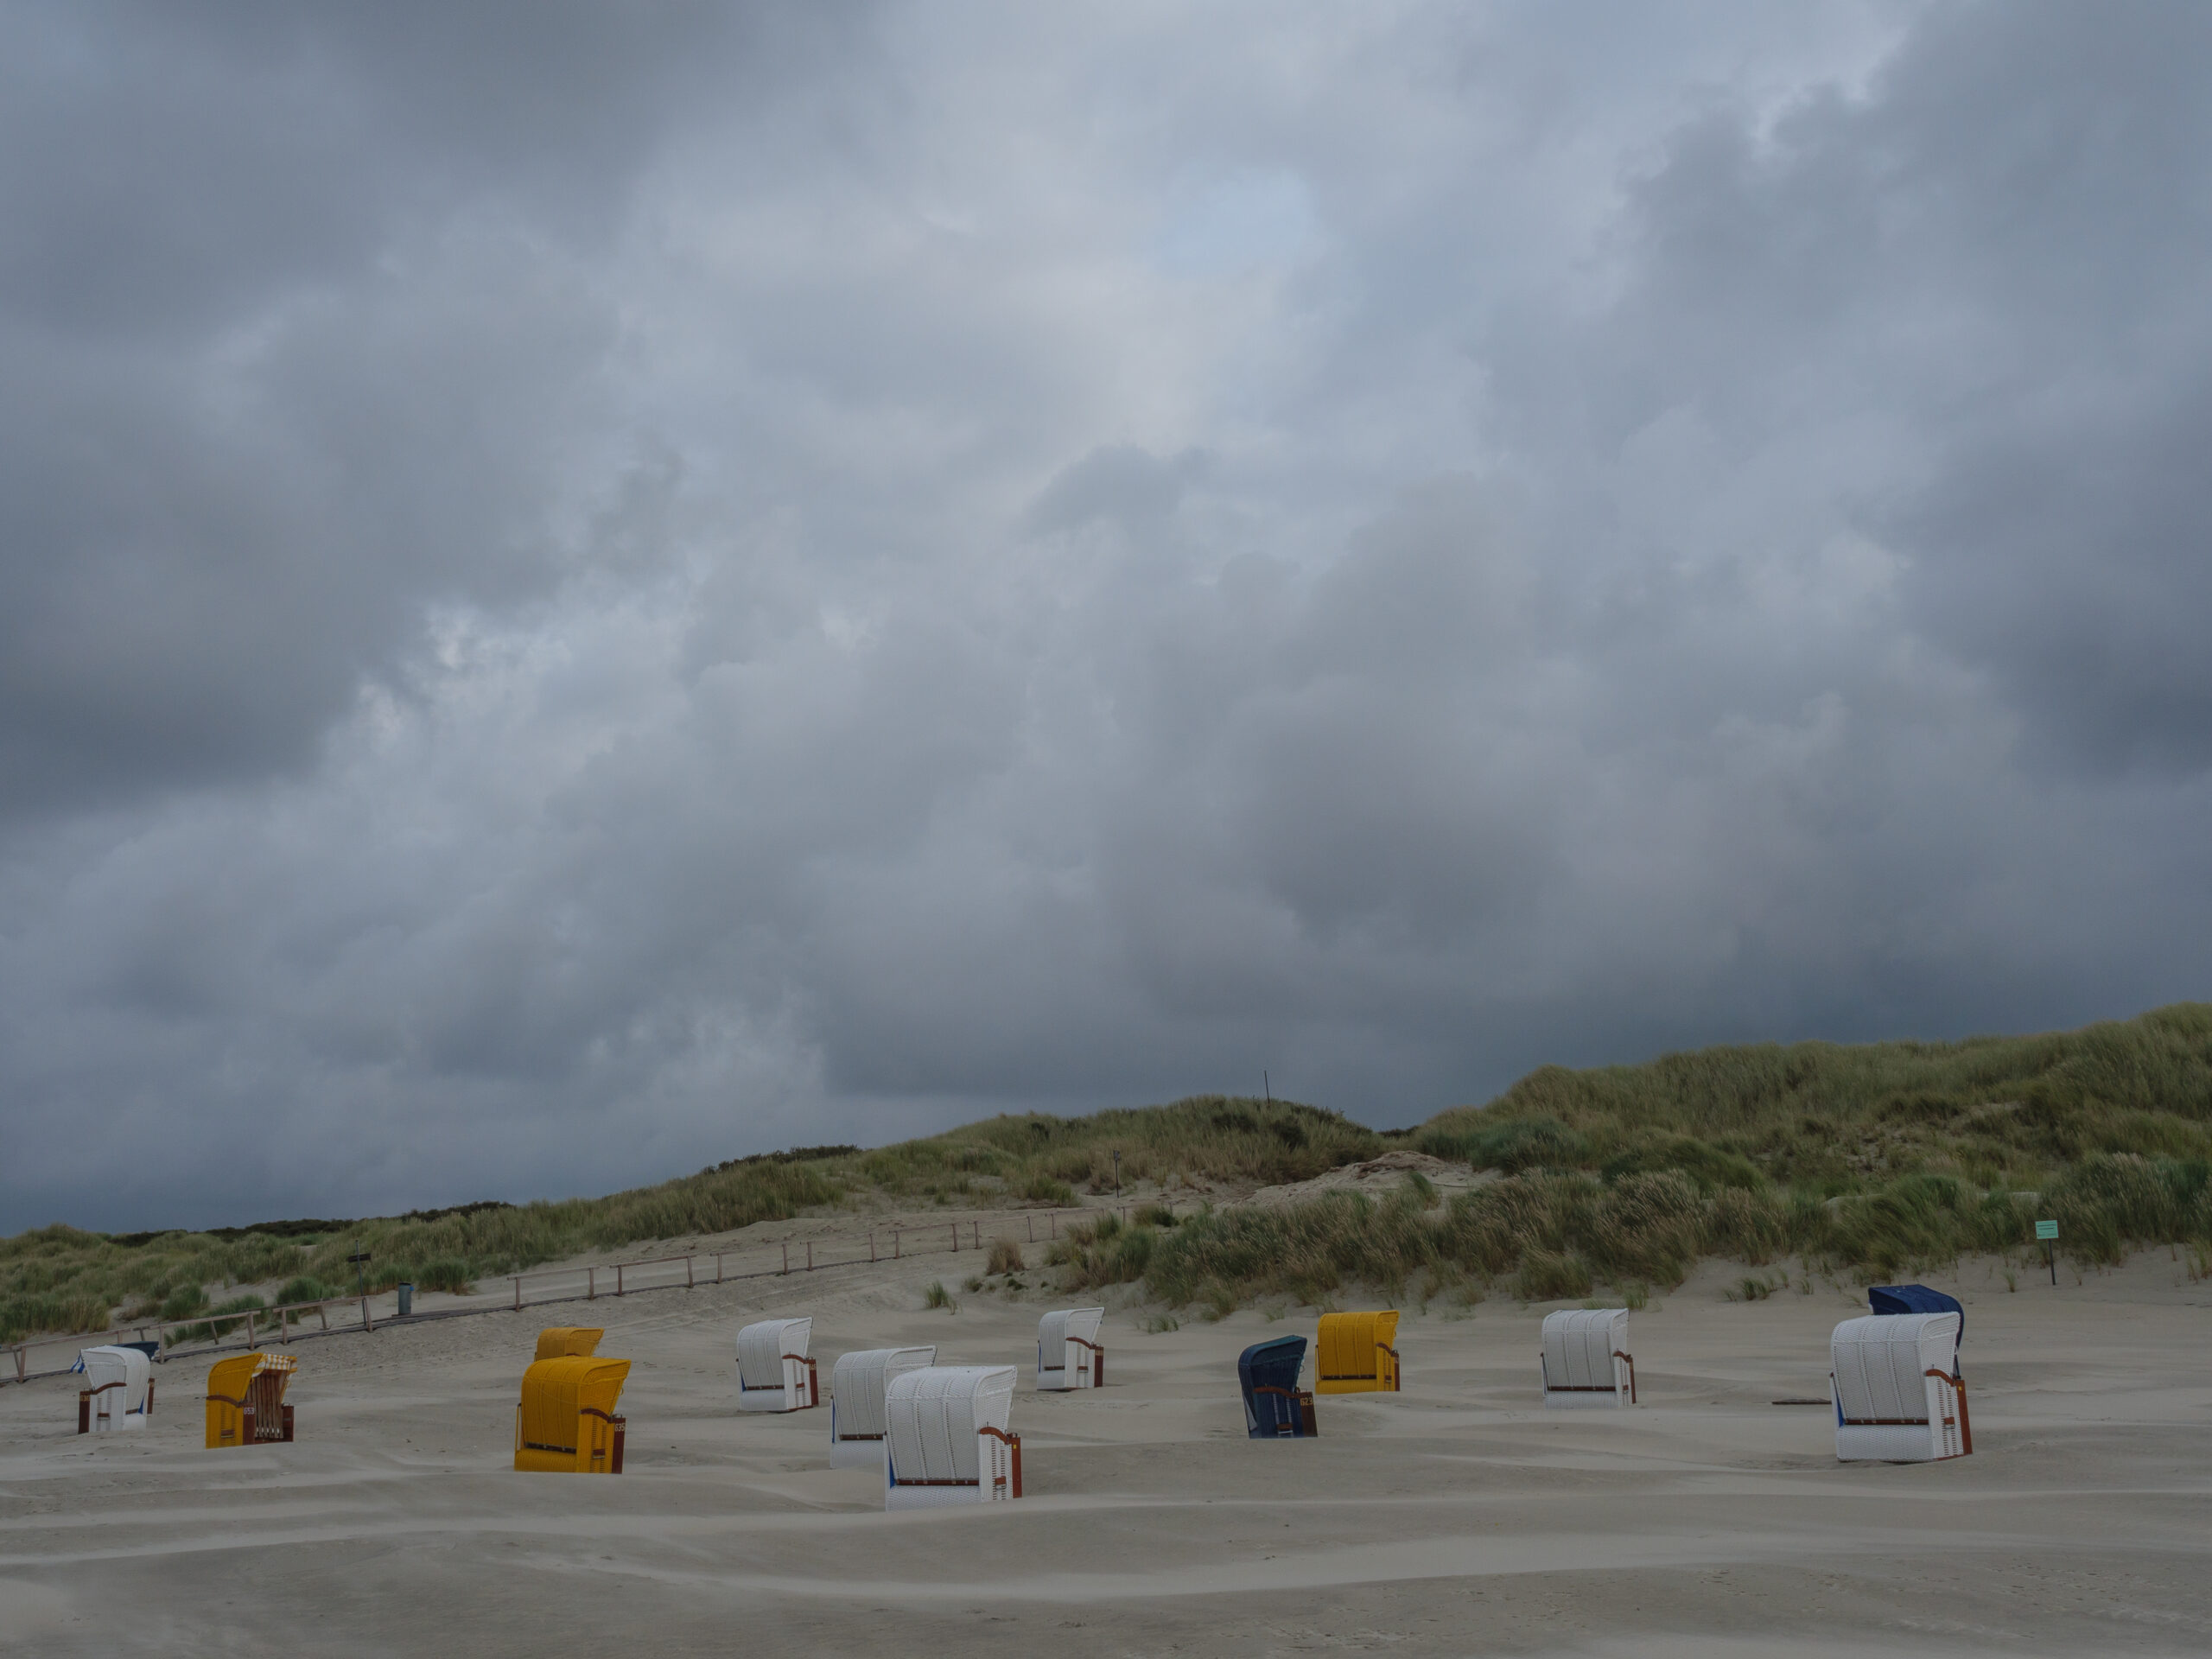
1118, 482
201, 562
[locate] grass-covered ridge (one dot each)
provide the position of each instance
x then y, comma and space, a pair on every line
1862, 1158
1869, 1158
2001, 1112
63, 1279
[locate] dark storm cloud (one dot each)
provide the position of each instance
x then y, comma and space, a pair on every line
588, 591
295, 338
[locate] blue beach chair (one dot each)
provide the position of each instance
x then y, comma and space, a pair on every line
1275, 1408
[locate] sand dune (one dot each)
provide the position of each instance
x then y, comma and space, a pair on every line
1455, 1518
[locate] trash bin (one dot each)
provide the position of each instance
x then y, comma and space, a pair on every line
406, 1301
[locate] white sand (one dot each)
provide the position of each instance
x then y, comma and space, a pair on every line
1456, 1518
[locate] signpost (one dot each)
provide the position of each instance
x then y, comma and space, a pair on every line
2046, 1234
360, 1261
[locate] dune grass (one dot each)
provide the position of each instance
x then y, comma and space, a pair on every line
1868, 1161
61, 1279
2001, 1112
1042, 1160
1547, 1234
1865, 1159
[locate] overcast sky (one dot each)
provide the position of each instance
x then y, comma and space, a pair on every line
587, 589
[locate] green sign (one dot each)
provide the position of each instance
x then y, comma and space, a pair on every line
2046, 1230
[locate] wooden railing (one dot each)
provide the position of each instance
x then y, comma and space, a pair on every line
884, 1243
257, 1324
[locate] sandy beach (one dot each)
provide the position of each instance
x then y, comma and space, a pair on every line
1455, 1518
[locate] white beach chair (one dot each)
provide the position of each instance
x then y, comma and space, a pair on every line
1068, 1354
118, 1390
1897, 1397
857, 1383
945, 1439
773, 1371
1586, 1359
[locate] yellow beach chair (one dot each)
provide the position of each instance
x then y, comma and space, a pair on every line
567, 1342
566, 1423
245, 1400
1355, 1354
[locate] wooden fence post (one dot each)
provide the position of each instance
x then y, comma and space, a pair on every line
368, 1322
894, 1243
718, 1267
618, 1278
689, 1283
787, 1257
809, 1255
871, 1244
591, 1285
518, 1293
955, 1235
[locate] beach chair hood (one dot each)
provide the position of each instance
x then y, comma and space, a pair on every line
1275, 1408
857, 1385
566, 1423
1068, 1351
245, 1400
568, 1342
946, 1437
1357, 1353
775, 1371
118, 1390
1896, 1398
1585, 1360
1919, 1298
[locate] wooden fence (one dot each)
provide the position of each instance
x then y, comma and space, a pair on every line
884, 1243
